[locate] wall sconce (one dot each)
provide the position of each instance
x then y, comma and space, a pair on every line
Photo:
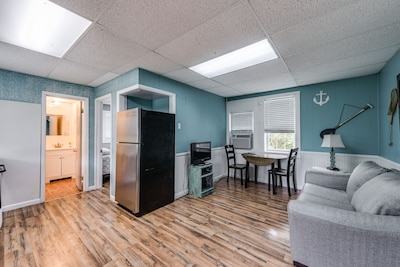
332, 141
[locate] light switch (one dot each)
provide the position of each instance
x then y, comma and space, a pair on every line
179, 125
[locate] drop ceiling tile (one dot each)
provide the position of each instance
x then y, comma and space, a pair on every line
353, 46
224, 91
184, 76
266, 69
343, 74
318, 41
280, 15
230, 30
153, 23
103, 79
204, 84
279, 81
338, 25
150, 61
104, 50
85, 8
366, 59
74, 72
25, 61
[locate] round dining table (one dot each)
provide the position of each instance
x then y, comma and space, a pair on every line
262, 159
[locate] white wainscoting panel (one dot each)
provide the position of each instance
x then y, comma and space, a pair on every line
182, 163
345, 162
306, 160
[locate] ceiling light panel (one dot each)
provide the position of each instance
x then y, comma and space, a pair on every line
40, 25
250, 55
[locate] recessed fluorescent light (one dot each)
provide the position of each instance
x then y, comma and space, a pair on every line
40, 25
242, 58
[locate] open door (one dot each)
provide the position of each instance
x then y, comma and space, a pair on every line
79, 146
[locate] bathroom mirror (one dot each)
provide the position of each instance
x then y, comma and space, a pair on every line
57, 125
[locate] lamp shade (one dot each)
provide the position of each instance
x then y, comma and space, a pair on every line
332, 140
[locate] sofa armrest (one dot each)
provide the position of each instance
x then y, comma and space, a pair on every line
327, 236
327, 178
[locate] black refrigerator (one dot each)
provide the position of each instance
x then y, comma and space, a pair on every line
145, 160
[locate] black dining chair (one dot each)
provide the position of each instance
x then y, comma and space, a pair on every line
290, 171
231, 160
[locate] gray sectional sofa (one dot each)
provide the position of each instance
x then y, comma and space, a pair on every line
343, 219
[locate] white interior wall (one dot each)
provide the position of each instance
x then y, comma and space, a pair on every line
256, 105
20, 137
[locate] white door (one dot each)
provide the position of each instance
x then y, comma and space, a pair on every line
79, 144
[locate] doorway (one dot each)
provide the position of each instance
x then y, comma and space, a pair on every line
64, 139
160, 99
103, 145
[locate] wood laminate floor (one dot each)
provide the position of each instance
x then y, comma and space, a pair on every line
234, 226
61, 188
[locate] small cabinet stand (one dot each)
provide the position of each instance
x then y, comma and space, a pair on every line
201, 181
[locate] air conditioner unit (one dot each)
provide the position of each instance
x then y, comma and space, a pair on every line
242, 139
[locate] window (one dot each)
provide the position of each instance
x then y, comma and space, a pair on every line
241, 126
280, 126
106, 124
242, 121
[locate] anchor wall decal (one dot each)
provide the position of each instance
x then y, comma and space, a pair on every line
321, 101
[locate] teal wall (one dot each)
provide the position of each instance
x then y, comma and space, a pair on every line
20, 87
202, 115
360, 135
387, 81
26, 88
161, 104
133, 102
124, 81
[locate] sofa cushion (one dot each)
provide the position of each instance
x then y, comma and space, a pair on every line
325, 202
364, 172
380, 195
326, 193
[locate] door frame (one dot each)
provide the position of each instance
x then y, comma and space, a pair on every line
120, 104
98, 170
84, 146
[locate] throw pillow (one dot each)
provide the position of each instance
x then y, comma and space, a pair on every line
379, 195
364, 172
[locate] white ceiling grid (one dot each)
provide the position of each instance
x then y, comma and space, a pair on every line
316, 40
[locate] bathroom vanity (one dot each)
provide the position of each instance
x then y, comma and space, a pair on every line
60, 163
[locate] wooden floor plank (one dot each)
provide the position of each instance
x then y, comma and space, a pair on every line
234, 226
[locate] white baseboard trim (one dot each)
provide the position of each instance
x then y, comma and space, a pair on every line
90, 188
306, 160
181, 194
21, 204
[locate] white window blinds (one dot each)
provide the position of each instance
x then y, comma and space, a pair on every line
242, 121
279, 115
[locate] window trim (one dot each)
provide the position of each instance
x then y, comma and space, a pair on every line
296, 96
